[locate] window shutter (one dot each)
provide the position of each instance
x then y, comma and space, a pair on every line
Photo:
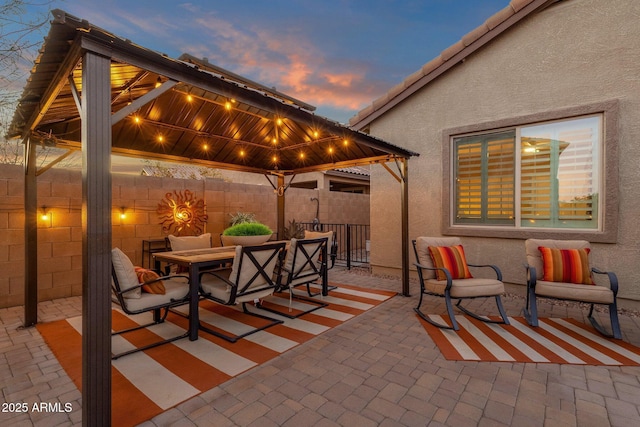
484, 174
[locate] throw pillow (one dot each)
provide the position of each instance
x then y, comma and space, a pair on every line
453, 259
566, 265
145, 275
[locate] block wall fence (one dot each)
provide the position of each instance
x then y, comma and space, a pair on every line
60, 237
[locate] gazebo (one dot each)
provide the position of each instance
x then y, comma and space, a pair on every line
90, 90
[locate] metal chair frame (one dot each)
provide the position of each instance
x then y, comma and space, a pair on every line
447, 296
160, 312
238, 289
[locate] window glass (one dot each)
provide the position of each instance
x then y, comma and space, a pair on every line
559, 174
556, 172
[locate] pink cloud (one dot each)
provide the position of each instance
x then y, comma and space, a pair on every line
289, 62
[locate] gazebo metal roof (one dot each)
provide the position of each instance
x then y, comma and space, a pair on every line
184, 109
90, 90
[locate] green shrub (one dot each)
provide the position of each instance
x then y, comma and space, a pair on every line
248, 229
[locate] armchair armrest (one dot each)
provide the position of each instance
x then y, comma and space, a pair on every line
531, 276
613, 279
494, 267
424, 267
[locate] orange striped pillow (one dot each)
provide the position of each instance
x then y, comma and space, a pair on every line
452, 258
145, 275
566, 265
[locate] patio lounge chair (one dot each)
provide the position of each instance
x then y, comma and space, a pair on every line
559, 269
249, 279
449, 278
127, 292
303, 266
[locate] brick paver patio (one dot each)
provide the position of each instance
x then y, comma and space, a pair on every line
379, 369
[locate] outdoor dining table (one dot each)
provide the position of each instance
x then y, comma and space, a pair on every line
198, 260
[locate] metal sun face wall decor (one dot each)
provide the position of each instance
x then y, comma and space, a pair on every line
182, 213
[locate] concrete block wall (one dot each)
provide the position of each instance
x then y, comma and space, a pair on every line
60, 237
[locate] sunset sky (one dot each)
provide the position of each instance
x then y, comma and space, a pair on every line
338, 55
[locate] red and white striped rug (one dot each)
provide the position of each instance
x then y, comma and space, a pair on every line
144, 384
563, 341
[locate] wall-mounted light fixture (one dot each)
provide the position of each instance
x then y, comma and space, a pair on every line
46, 217
123, 214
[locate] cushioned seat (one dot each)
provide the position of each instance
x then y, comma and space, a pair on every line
560, 269
250, 279
443, 272
127, 292
466, 288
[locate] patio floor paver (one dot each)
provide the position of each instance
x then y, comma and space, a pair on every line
380, 368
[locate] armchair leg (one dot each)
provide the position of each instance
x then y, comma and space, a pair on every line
530, 311
505, 319
434, 323
615, 324
234, 338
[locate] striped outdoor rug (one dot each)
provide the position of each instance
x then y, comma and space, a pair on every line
147, 383
563, 341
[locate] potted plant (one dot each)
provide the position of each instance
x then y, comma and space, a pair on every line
248, 233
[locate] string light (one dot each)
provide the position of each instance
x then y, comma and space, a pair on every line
279, 121
274, 158
345, 142
160, 138
189, 98
136, 119
242, 153
274, 141
330, 150
315, 134
301, 155
205, 147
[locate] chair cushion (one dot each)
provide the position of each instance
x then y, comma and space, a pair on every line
466, 288
453, 259
126, 274
571, 291
146, 275
423, 255
566, 265
319, 234
185, 243
215, 286
302, 271
241, 273
176, 288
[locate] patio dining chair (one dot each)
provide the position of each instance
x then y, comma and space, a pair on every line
303, 265
162, 293
250, 279
559, 269
444, 272
332, 248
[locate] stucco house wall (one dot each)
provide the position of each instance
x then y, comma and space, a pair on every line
572, 54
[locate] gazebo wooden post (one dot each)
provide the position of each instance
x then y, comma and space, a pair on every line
404, 184
96, 240
280, 194
30, 235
